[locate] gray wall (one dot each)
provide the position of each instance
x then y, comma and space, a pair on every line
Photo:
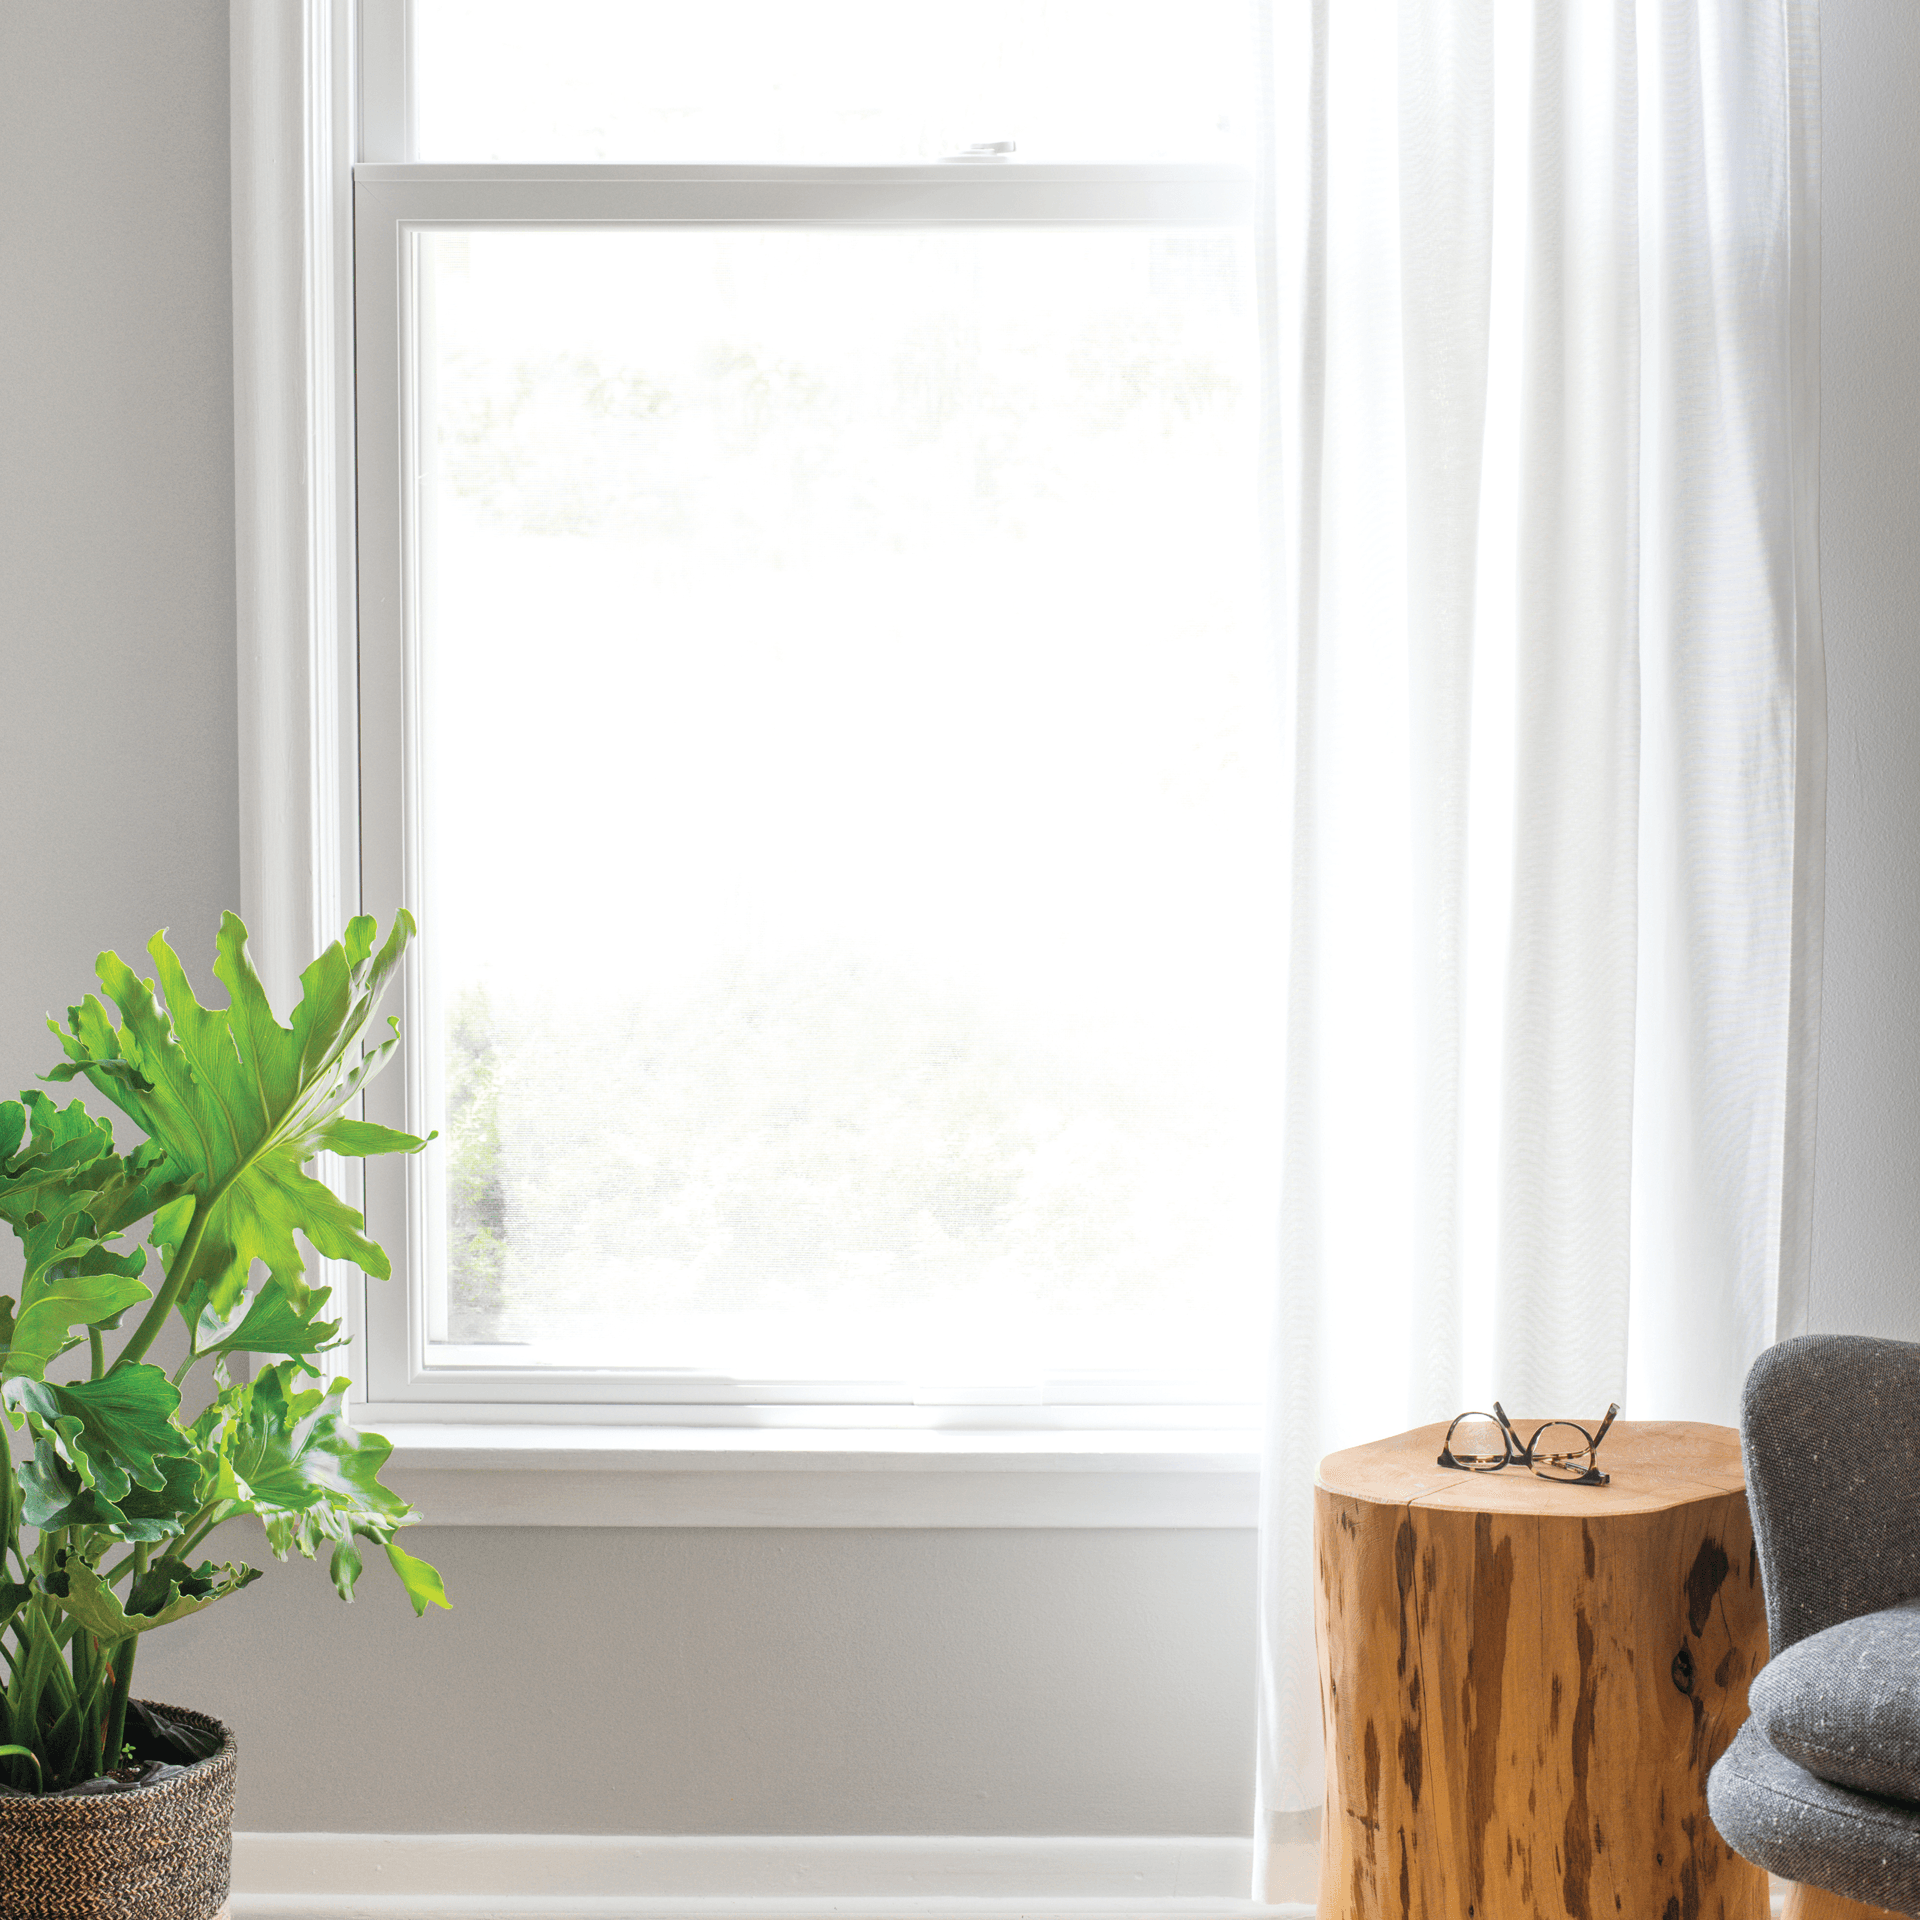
738, 1681
1866, 1242
119, 812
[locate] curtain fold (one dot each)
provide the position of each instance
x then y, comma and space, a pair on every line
1540, 284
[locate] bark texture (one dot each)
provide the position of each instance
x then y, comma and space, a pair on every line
1524, 1684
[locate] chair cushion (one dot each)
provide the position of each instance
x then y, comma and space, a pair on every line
1845, 1703
1780, 1817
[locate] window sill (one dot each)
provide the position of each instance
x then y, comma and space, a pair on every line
657, 1476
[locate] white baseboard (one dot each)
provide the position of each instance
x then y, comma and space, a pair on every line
384, 1876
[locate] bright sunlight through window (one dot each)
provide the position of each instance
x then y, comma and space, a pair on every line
847, 753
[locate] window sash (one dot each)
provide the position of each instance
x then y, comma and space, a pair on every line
989, 193
394, 204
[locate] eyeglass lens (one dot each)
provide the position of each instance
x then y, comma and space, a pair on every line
1562, 1451
1478, 1442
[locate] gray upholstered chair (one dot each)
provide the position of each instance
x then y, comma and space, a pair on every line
1822, 1784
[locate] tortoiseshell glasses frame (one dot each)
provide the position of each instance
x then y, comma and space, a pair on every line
1559, 1449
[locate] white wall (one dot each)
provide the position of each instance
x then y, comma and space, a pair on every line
737, 1681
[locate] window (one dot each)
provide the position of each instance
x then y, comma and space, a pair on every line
814, 695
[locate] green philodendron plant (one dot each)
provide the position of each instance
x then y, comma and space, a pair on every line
123, 1485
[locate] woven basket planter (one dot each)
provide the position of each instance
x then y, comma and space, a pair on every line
162, 1852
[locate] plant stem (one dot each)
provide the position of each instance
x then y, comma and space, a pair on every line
123, 1676
120, 1664
185, 1544
116, 1734
97, 1347
184, 1256
173, 1545
24, 1695
16, 1643
88, 1661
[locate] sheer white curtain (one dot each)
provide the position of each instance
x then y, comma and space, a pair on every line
1543, 279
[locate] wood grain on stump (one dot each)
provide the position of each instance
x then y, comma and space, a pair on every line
1525, 1684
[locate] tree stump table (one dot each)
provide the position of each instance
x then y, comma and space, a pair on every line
1524, 1684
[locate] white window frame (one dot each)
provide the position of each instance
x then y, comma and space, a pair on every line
555, 1448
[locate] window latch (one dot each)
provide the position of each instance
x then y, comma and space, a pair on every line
981, 150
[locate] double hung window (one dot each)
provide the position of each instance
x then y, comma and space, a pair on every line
815, 696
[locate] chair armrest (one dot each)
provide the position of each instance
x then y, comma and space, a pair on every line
1830, 1426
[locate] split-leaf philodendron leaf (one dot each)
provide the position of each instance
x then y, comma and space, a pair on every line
116, 1430
240, 1103
55, 1496
102, 1521
168, 1591
274, 1322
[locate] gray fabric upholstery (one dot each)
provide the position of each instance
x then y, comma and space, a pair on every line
1830, 1425
1845, 1703
1780, 1817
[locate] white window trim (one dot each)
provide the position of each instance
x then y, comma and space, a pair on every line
494, 1474
292, 116
293, 476
294, 137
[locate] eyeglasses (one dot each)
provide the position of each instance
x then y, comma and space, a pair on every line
1559, 1450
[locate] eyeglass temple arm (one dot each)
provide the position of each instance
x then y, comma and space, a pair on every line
1593, 1477
1522, 1450
1525, 1448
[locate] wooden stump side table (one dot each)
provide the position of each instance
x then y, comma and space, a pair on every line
1524, 1684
